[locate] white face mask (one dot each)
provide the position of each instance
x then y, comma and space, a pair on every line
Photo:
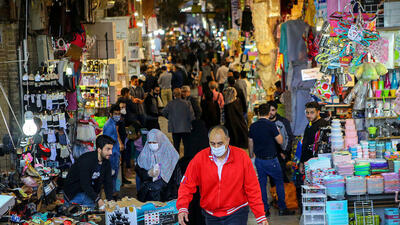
153, 147
220, 151
123, 111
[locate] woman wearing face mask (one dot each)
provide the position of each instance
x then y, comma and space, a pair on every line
157, 168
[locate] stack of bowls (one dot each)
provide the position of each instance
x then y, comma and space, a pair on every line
337, 142
351, 138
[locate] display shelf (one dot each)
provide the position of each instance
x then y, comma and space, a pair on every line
313, 204
335, 105
388, 28
316, 213
382, 118
90, 72
313, 195
385, 138
89, 86
379, 98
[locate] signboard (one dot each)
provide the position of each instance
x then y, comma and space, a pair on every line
311, 74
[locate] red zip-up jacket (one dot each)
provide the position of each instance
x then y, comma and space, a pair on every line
237, 188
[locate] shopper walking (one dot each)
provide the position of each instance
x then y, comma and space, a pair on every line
89, 173
193, 101
137, 95
157, 169
110, 129
283, 124
239, 94
263, 136
234, 120
206, 74
152, 109
227, 182
165, 84
222, 76
125, 154
217, 96
131, 108
211, 112
178, 77
180, 115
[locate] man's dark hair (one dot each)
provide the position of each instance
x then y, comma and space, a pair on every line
231, 81
264, 109
103, 140
313, 105
243, 74
219, 127
273, 104
134, 77
236, 75
163, 68
124, 91
114, 107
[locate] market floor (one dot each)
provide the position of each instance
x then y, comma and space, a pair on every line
130, 190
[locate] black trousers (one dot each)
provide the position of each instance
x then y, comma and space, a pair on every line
177, 138
239, 217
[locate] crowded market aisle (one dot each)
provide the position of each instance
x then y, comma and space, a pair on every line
130, 190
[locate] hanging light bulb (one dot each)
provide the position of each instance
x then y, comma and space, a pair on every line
29, 128
136, 14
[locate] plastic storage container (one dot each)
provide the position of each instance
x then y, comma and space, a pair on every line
356, 185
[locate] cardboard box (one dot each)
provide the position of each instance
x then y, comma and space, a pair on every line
132, 212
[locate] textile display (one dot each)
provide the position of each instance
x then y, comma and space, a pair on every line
262, 31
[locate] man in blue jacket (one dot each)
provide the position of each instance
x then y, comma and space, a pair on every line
110, 129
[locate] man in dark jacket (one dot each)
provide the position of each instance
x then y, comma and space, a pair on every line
284, 149
89, 173
180, 116
315, 124
177, 77
137, 96
152, 109
193, 101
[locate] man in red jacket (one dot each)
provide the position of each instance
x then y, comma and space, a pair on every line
227, 182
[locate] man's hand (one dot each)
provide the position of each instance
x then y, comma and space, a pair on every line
101, 204
283, 156
265, 222
183, 218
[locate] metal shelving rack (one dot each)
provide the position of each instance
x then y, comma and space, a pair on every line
314, 205
365, 210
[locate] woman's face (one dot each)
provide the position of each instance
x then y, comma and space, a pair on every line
153, 145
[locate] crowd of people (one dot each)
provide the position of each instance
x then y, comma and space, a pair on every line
206, 105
